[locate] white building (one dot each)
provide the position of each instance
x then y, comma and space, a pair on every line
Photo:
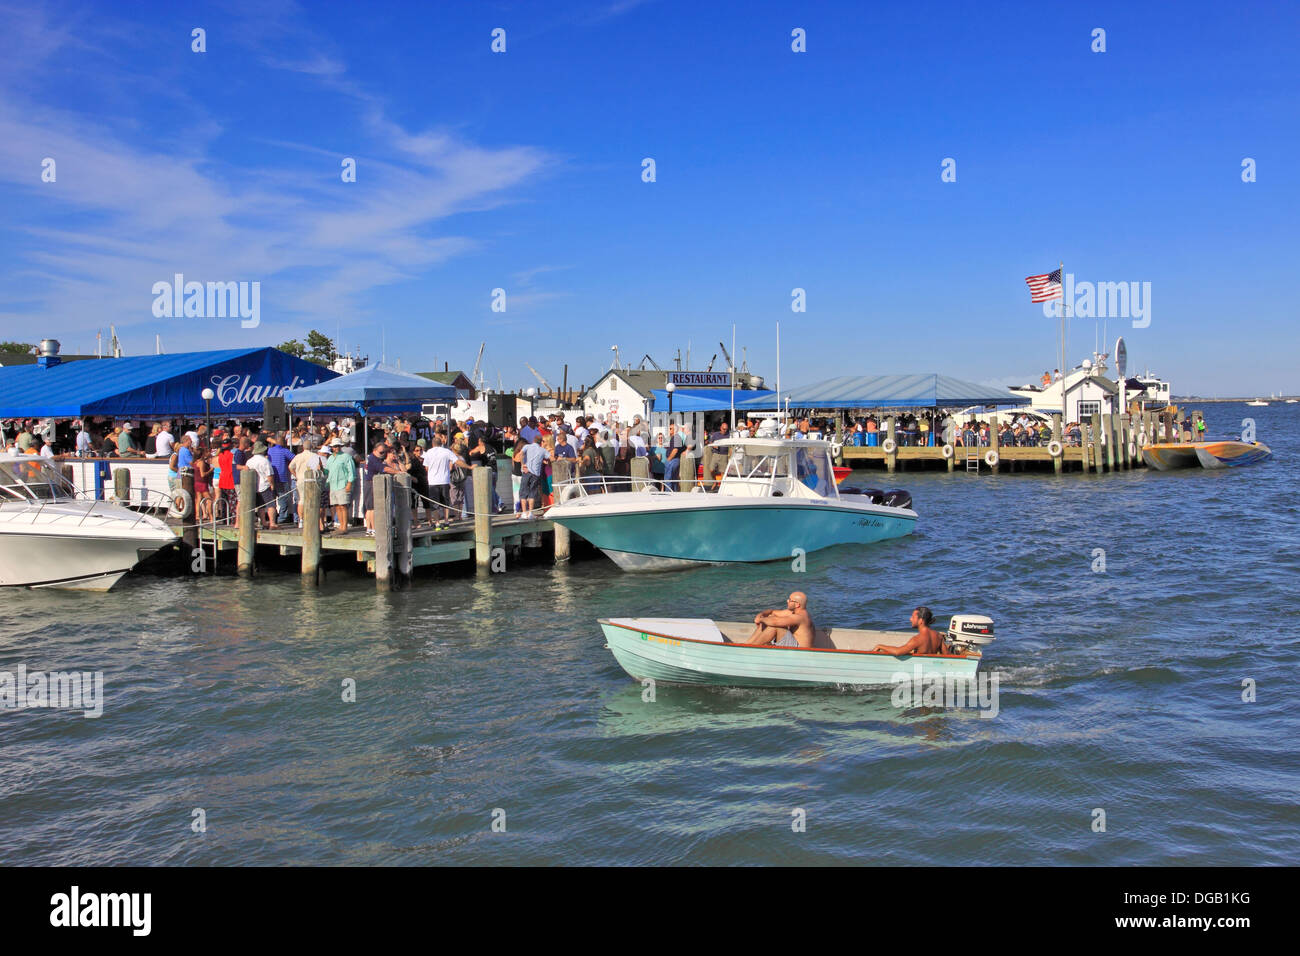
1088, 392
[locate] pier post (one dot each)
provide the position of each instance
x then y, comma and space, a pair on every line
483, 517
190, 513
1094, 441
383, 499
246, 560
122, 486
994, 442
505, 485
686, 474
891, 434
1126, 437
309, 495
405, 549
1057, 435
1108, 423
640, 473
561, 474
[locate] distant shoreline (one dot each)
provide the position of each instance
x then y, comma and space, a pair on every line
1197, 398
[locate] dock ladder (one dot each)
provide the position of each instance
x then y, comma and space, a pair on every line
973, 463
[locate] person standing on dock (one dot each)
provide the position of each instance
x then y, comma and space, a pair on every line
439, 461
341, 478
280, 457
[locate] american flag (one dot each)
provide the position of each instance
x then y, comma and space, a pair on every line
1045, 288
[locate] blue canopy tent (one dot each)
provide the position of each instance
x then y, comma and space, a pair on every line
898, 391
155, 386
708, 399
373, 390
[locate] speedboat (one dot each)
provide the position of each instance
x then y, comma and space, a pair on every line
1230, 453
1226, 453
702, 651
51, 538
777, 500
1258, 403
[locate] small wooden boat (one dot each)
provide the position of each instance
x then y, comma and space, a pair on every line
702, 651
1227, 453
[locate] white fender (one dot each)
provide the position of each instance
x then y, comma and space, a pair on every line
836, 448
991, 459
890, 446
948, 451
1054, 448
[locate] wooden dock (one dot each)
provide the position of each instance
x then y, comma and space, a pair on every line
1108, 443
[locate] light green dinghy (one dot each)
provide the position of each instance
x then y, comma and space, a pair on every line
701, 651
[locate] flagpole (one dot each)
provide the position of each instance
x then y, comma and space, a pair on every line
1063, 370
732, 363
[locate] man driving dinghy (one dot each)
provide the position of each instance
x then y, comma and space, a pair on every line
927, 640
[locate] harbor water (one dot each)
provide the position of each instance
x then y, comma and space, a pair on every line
493, 700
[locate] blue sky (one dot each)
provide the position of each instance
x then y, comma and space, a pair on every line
775, 170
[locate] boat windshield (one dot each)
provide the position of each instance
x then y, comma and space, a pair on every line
757, 466
32, 478
813, 468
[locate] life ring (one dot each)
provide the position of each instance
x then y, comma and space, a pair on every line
1132, 450
890, 446
569, 492
991, 459
1054, 448
948, 451
836, 448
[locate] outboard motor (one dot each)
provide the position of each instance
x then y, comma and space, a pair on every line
969, 632
896, 498
874, 495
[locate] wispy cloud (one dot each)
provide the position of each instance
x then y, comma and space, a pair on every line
129, 209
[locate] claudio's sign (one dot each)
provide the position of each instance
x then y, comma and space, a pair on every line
240, 390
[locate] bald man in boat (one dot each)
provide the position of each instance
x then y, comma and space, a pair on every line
927, 640
791, 627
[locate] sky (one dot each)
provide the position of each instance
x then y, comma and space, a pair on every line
775, 170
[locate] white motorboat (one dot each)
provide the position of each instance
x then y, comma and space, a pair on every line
51, 538
777, 499
1258, 403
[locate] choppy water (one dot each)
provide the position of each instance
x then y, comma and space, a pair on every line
1120, 691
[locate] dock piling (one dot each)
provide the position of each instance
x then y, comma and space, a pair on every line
686, 474
994, 443
247, 556
404, 552
1057, 435
309, 495
482, 506
382, 486
189, 514
891, 435
122, 486
561, 474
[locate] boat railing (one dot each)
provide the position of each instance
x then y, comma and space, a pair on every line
585, 485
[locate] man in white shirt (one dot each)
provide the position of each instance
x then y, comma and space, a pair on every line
439, 460
259, 463
164, 442
83, 442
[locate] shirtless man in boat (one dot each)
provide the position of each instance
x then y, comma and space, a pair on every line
927, 640
792, 627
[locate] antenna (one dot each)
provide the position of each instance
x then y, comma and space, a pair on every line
778, 369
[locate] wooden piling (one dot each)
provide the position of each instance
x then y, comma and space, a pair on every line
1058, 436
561, 475
309, 494
641, 473
246, 561
1094, 437
994, 443
505, 485
382, 486
122, 486
404, 551
891, 434
189, 514
686, 474
483, 518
